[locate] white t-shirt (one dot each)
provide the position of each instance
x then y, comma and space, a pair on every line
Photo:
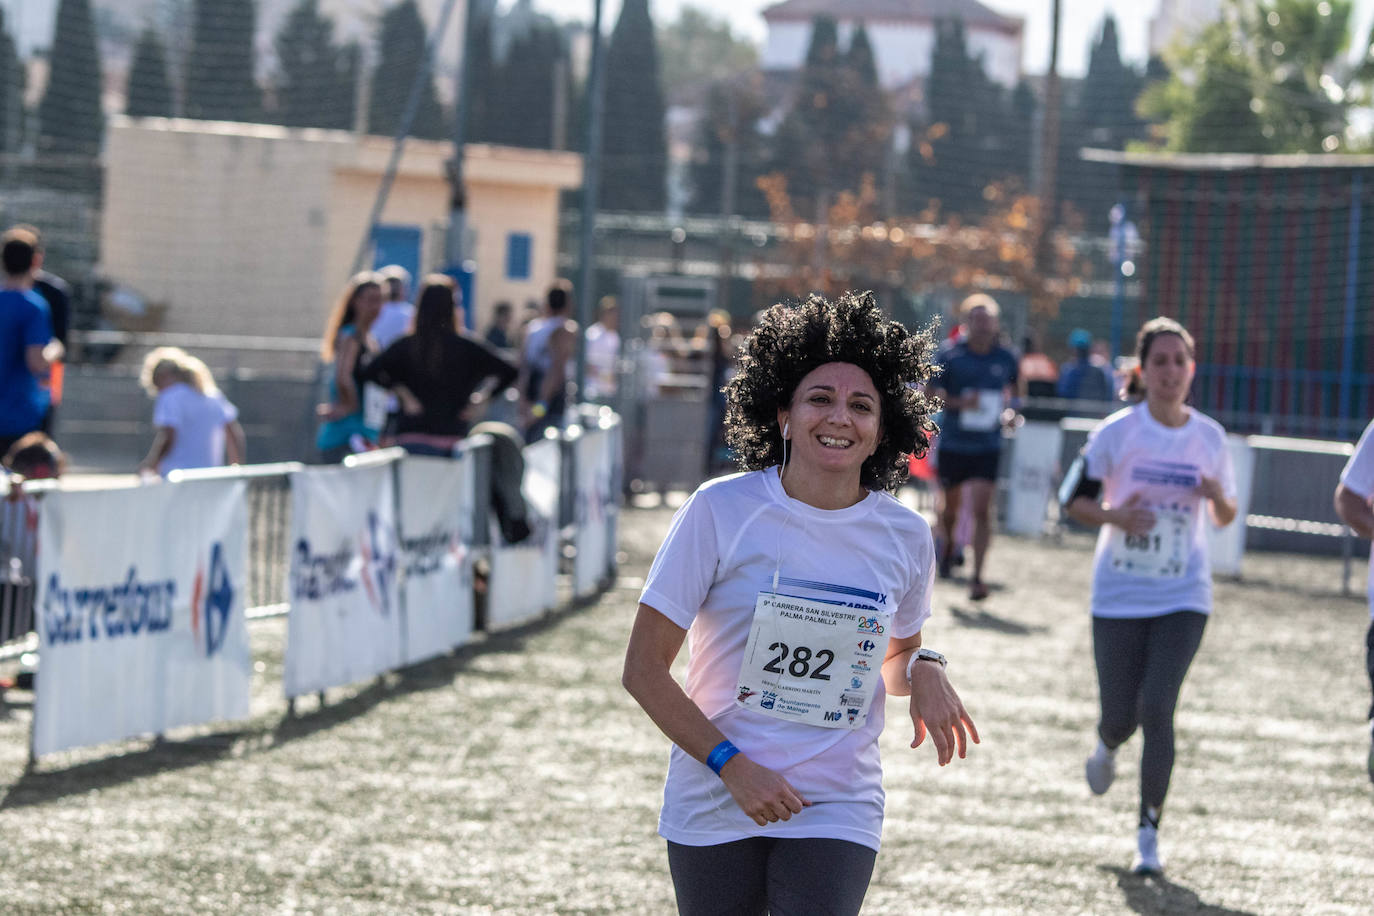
724, 546
1358, 477
393, 322
1132, 452
198, 421
603, 352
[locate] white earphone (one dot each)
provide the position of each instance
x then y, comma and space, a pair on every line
784, 429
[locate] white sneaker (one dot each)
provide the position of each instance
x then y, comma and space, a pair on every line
1147, 858
1101, 769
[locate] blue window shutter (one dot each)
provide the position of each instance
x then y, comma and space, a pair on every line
519, 247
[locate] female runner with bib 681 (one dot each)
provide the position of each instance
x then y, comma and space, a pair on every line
1145, 477
802, 586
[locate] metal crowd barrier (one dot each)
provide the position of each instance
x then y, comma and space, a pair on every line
269, 503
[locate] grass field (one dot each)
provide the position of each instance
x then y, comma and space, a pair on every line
517, 777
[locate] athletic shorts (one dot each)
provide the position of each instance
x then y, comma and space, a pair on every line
953, 468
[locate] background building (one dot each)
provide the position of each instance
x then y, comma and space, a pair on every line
902, 33
251, 229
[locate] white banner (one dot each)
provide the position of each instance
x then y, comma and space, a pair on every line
345, 621
1031, 480
1226, 546
436, 567
592, 511
140, 611
524, 576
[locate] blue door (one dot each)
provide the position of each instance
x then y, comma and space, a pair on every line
397, 245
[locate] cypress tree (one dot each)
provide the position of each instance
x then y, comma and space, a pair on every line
838, 128
11, 90
732, 114
150, 93
869, 127
220, 84
481, 72
636, 151
965, 117
525, 83
1020, 134
313, 85
806, 141
402, 39
69, 116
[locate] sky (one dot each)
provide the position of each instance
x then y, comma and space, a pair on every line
1081, 20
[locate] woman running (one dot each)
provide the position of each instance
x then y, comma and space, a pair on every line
803, 586
1145, 476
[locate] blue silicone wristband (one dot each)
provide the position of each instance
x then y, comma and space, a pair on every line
719, 755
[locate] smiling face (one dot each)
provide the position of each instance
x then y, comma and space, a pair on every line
834, 421
1167, 370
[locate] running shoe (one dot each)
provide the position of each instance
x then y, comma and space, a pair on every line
1147, 858
1101, 769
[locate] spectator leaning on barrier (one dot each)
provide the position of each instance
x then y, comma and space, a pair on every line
805, 562
1353, 495
440, 375
546, 358
27, 347
196, 426
353, 417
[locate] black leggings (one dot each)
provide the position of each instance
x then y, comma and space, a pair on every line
1140, 668
781, 876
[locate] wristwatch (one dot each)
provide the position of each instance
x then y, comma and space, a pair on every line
923, 654
930, 655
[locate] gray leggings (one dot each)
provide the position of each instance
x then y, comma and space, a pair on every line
781, 876
1140, 668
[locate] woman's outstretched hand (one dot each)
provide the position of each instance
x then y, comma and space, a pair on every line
936, 709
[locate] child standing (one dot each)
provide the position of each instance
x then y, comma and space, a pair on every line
196, 426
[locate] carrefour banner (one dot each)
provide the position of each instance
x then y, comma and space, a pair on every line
436, 568
345, 621
140, 611
524, 576
594, 509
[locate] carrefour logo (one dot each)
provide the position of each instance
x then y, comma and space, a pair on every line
127, 608
372, 564
212, 600
379, 564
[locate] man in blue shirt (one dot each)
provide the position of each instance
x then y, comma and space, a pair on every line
975, 384
27, 348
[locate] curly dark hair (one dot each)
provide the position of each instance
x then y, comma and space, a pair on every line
791, 341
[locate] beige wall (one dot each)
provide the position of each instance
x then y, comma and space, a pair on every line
253, 229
